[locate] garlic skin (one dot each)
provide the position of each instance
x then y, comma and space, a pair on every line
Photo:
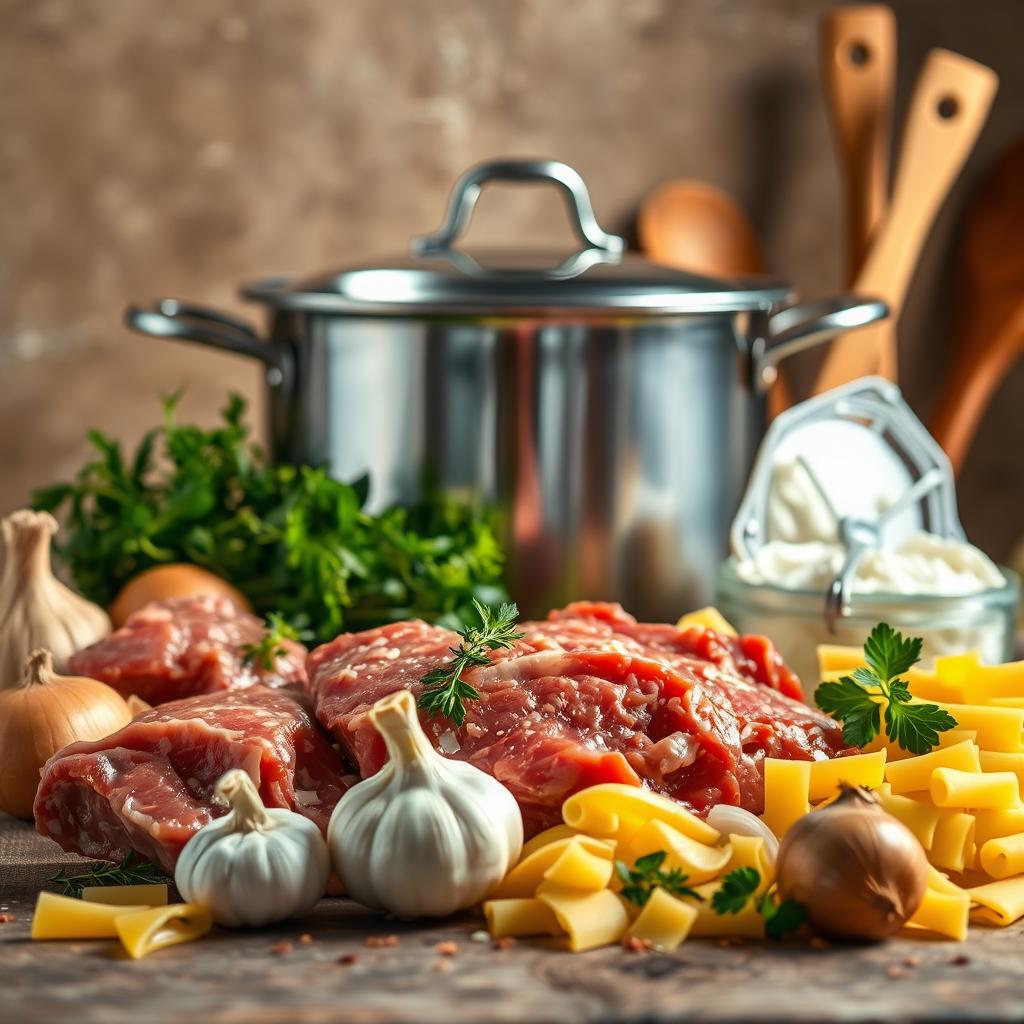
425, 836
256, 865
36, 609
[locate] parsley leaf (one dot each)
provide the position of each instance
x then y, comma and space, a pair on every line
291, 538
857, 699
444, 690
646, 876
781, 919
735, 891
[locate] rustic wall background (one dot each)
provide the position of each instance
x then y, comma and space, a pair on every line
149, 148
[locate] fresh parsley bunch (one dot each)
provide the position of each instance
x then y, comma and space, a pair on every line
291, 538
856, 700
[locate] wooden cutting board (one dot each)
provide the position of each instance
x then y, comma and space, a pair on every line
248, 977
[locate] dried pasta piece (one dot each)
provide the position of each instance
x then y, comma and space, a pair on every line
786, 793
665, 921
996, 824
750, 852
953, 844
146, 931
589, 919
922, 819
579, 868
748, 923
61, 917
951, 737
990, 683
833, 658
991, 791
600, 810
697, 861
1000, 761
998, 903
944, 913
520, 918
707, 618
915, 773
866, 770
1000, 729
1003, 856
549, 835
154, 895
522, 881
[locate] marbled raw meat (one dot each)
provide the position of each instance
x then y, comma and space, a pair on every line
148, 787
588, 696
186, 646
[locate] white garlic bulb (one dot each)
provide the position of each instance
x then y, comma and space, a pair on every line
256, 865
425, 836
36, 609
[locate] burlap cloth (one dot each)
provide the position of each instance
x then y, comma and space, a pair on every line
28, 861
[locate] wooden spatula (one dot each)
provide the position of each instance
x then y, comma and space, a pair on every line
950, 104
992, 304
858, 70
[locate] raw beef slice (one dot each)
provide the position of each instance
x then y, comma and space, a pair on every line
588, 696
147, 788
184, 646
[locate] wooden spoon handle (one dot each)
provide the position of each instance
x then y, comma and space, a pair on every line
971, 382
950, 103
858, 69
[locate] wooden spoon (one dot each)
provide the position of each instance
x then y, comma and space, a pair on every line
950, 104
858, 70
992, 331
694, 226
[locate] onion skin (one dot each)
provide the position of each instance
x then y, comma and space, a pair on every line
859, 873
43, 715
166, 581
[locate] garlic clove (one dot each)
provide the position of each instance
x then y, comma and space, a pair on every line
36, 609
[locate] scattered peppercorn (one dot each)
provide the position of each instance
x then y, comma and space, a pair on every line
381, 941
348, 959
447, 948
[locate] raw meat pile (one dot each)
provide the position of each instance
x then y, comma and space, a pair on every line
184, 646
589, 696
148, 787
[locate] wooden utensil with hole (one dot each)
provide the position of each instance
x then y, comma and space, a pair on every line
950, 104
858, 70
694, 226
991, 271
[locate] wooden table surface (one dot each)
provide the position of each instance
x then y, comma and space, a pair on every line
245, 976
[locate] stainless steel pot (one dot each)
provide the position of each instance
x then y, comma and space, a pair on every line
607, 408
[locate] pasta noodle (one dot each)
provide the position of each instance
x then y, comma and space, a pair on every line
991, 791
697, 861
549, 835
600, 810
999, 903
522, 881
750, 852
944, 913
921, 819
664, 921
578, 868
1000, 729
1003, 856
786, 793
519, 918
858, 770
1000, 761
996, 824
953, 843
915, 773
589, 919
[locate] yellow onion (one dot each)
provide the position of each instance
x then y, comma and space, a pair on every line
43, 714
166, 581
858, 872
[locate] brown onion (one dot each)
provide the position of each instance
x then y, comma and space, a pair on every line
42, 715
858, 872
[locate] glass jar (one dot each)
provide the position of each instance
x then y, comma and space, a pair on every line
795, 619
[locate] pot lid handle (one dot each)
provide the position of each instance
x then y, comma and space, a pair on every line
467, 190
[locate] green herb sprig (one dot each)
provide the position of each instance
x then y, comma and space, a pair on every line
273, 644
646, 875
739, 887
856, 699
291, 538
129, 872
444, 690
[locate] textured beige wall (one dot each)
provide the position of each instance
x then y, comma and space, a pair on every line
175, 148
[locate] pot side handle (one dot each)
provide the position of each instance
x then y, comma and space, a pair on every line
182, 321
801, 327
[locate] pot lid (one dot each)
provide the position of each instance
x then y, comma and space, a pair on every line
438, 278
